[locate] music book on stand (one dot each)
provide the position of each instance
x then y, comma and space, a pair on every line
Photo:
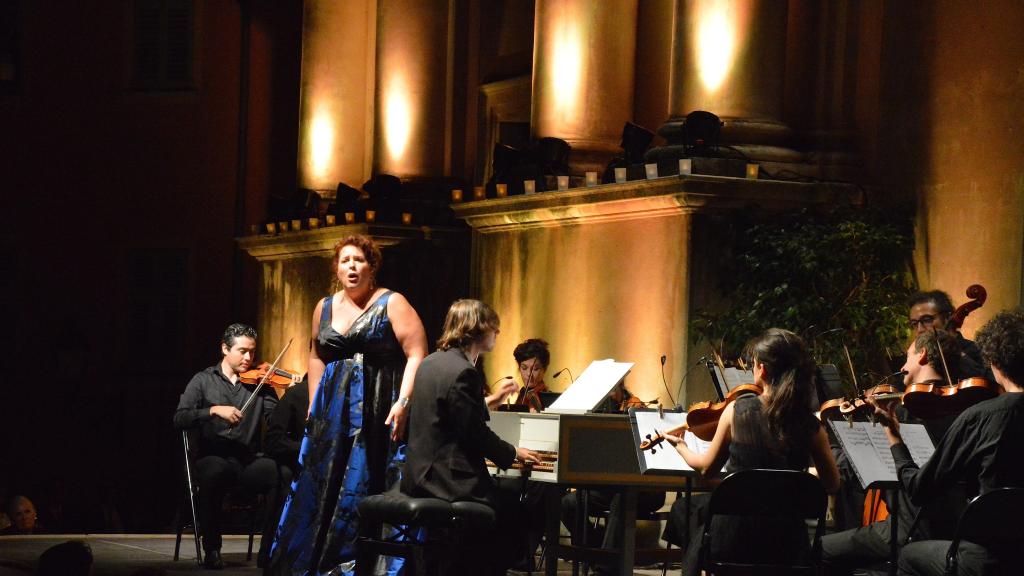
663, 459
590, 388
867, 447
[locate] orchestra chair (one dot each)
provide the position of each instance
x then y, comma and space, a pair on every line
425, 531
253, 507
766, 494
989, 521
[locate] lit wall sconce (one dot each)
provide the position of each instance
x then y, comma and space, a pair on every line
529, 186
651, 170
501, 190
685, 166
591, 178
371, 216
563, 182
406, 218
620, 175
456, 195
753, 171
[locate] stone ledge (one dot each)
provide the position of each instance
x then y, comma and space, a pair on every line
320, 242
649, 199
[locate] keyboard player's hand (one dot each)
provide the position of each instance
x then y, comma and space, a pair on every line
525, 455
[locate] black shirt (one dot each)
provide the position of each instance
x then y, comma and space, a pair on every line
211, 388
984, 447
287, 426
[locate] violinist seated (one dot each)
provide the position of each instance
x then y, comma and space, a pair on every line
532, 357
984, 448
774, 430
869, 546
601, 501
229, 441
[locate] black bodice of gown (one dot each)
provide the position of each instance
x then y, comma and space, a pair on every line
753, 445
370, 335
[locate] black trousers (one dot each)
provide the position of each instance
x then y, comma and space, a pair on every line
216, 475
928, 558
611, 502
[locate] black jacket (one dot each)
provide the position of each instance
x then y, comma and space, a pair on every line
448, 434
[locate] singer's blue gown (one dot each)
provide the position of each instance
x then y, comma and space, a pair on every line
342, 460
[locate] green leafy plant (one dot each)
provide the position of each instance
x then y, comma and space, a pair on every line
840, 277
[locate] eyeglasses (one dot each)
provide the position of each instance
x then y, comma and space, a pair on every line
924, 321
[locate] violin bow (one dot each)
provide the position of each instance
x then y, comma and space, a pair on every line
942, 355
265, 376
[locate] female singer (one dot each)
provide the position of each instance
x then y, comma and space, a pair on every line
368, 343
774, 430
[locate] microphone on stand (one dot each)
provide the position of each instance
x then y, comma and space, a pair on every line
665, 382
559, 373
702, 360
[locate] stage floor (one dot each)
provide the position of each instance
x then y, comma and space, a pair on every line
123, 554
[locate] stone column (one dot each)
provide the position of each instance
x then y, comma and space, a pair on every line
583, 61
412, 99
729, 59
337, 69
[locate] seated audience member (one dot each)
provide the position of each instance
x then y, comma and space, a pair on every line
72, 558
449, 438
984, 448
24, 519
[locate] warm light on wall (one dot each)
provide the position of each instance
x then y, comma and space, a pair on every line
567, 71
321, 143
397, 117
716, 42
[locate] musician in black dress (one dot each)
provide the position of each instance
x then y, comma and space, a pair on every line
776, 430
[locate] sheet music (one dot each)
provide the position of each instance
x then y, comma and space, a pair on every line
591, 387
733, 377
664, 459
868, 449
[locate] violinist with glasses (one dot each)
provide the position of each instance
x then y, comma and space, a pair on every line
984, 448
229, 440
869, 546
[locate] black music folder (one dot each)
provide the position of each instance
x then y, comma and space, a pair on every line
663, 459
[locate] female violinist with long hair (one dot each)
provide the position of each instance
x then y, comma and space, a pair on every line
776, 430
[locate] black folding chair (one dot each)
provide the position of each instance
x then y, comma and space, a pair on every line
990, 521
253, 507
180, 522
767, 494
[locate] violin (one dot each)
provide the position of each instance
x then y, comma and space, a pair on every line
702, 417
928, 400
279, 378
